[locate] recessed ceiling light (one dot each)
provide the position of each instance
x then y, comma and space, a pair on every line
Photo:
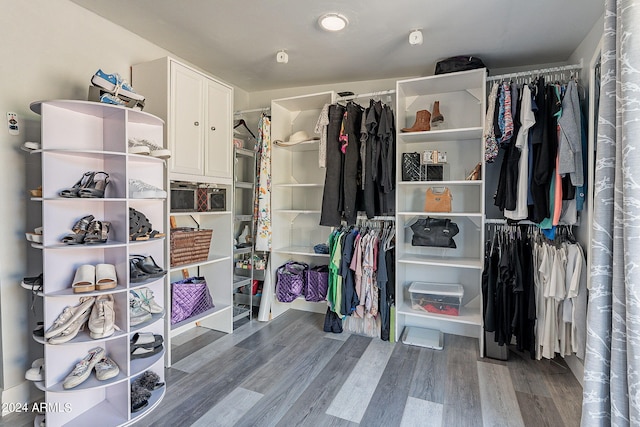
333, 22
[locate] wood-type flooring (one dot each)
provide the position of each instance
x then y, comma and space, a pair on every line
288, 372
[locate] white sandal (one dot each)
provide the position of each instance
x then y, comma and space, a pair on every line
85, 279
105, 277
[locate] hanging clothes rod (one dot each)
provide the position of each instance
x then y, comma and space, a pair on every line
253, 110
501, 221
366, 95
377, 218
536, 72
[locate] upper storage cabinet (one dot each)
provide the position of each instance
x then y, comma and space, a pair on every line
198, 112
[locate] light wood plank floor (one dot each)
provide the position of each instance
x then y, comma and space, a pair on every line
288, 372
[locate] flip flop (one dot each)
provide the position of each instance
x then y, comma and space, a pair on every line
146, 340
105, 277
141, 352
84, 279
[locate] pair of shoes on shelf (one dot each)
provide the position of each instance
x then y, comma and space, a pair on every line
115, 85
36, 372
88, 186
146, 147
426, 121
90, 278
88, 230
140, 228
141, 190
96, 312
141, 389
36, 236
145, 344
70, 322
36, 192
30, 146
96, 358
475, 173
142, 306
142, 268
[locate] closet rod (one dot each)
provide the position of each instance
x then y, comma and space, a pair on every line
501, 221
365, 95
377, 218
536, 72
253, 110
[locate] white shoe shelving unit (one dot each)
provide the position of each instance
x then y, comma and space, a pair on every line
462, 103
80, 136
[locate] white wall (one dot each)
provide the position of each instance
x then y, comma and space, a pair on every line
50, 50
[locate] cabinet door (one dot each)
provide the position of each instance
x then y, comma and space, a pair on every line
218, 148
187, 121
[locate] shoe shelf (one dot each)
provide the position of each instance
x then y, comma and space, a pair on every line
79, 137
461, 100
186, 324
213, 259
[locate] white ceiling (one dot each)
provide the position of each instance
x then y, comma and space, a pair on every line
237, 40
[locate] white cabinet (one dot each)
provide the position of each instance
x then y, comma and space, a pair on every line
77, 137
296, 199
461, 97
198, 111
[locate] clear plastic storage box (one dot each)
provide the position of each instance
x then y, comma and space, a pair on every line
439, 298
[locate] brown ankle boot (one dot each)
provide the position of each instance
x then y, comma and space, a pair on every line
437, 118
423, 118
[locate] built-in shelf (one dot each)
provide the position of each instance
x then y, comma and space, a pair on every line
442, 183
245, 152
212, 260
245, 185
311, 145
299, 250
195, 213
182, 326
444, 214
69, 292
471, 263
471, 134
468, 315
240, 251
90, 383
296, 185
239, 281
240, 313
241, 218
297, 211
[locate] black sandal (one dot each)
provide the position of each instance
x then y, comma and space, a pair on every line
96, 187
79, 231
83, 182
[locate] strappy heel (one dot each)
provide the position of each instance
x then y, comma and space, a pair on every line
83, 182
97, 232
96, 187
79, 231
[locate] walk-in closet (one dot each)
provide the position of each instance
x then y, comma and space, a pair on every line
363, 214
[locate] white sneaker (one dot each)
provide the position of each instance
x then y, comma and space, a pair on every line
36, 373
83, 369
138, 144
72, 330
145, 295
102, 320
141, 190
68, 316
137, 312
106, 369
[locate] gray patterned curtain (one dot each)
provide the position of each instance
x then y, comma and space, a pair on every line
612, 362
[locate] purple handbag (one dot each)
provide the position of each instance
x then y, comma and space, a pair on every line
189, 297
290, 280
317, 283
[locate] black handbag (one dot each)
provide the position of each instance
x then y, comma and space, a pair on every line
458, 63
435, 232
411, 166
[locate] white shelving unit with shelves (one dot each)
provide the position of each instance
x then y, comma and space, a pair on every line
298, 184
80, 136
461, 99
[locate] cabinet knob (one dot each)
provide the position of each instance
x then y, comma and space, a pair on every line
213, 128
196, 123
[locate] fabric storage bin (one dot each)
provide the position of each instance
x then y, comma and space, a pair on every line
439, 298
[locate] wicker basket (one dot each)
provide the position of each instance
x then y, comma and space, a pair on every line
189, 245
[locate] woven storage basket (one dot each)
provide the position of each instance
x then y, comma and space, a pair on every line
189, 245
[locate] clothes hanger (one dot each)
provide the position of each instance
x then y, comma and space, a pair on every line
241, 122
